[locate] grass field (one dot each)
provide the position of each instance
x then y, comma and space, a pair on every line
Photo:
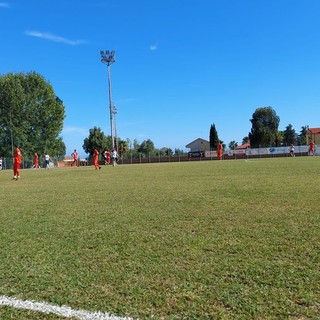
236, 239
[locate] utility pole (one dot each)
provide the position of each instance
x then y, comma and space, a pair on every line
107, 57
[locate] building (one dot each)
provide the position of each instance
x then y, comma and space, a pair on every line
243, 146
314, 135
198, 147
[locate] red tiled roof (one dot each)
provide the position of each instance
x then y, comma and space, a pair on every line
243, 146
314, 130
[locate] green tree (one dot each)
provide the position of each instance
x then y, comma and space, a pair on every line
178, 152
302, 137
279, 138
146, 147
265, 123
31, 115
98, 140
166, 151
232, 144
213, 137
245, 140
123, 147
289, 135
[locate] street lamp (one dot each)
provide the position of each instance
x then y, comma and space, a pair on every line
107, 57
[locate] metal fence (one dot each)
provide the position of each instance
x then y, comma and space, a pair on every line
7, 163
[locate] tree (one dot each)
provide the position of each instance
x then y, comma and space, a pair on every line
289, 135
31, 115
245, 140
213, 137
279, 138
146, 147
265, 123
123, 146
96, 139
232, 144
302, 137
178, 152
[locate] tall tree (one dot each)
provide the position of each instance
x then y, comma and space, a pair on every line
245, 140
96, 139
265, 123
302, 138
30, 114
289, 135
146, 147
213, 137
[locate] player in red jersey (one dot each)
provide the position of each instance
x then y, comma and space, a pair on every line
311, 148
219, 151
96, 159
17, 159
36, 161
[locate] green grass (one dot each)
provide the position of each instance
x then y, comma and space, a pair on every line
197, 240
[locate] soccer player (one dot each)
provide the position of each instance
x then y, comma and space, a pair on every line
107, 156
292, 150
75, 158
114, 156
96, 159
17, 157
311, 148
47, 160
220, 150
36, 161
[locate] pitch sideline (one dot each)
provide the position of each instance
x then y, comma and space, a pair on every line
58, 310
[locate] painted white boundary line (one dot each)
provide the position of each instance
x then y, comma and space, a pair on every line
60, 311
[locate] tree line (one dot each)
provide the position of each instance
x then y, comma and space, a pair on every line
31, 115
264, 132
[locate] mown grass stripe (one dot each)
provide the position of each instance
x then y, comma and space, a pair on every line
58, 310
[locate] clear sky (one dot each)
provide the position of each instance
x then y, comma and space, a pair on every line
181, 65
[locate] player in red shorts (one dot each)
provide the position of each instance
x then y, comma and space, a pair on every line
36, 161
96, 159
107, 157
219, 151
17, 159
311, 148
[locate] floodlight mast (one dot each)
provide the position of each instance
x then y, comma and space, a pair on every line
107, 57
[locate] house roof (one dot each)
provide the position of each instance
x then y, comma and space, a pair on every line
199, 139
243, 146
314, 130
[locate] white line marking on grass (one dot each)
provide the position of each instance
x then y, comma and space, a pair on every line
60, 311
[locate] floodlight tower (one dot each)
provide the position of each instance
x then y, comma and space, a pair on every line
107, 57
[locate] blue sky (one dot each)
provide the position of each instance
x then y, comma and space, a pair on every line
181, 65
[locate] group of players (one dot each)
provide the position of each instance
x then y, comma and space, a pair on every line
17, 160
107, 156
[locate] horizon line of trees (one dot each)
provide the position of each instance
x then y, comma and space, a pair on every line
31, 115
97, 139
264, 132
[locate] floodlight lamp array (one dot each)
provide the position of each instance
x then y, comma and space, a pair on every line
107, 57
